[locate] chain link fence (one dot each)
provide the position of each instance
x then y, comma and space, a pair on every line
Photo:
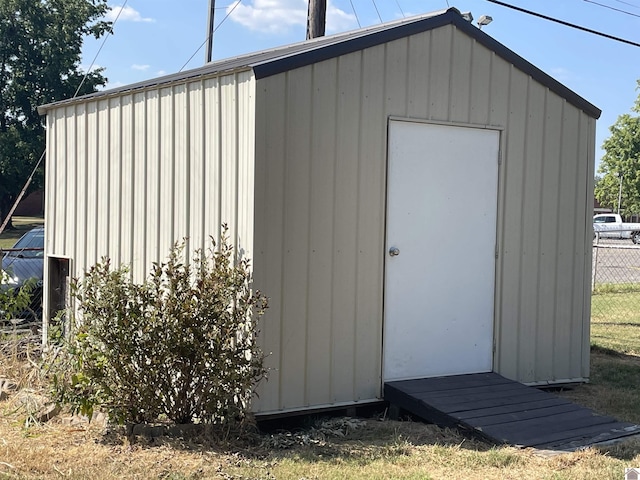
21, 289
615, 280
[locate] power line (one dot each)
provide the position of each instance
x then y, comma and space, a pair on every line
567, 24
355, 13
612, 8
401, 11
377, 11
627, 3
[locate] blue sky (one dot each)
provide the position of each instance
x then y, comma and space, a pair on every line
157, 37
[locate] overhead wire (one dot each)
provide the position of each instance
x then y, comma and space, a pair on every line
401, 11
567, 24
627, 3
613, 8
377, 11
208, 36
355, 13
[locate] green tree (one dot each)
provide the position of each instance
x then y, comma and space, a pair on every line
622, 158
40, 51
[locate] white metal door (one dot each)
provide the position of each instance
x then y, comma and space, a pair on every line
442, 195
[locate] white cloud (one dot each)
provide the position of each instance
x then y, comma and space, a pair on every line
143, 68
339, 20
280, 16
126, 14
160, 73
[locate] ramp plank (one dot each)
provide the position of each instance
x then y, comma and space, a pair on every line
504, 411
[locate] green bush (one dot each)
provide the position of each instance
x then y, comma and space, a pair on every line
181, 345
15, 301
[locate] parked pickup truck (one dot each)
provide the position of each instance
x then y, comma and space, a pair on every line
610, 225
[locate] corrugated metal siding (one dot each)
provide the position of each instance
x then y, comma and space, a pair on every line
320, 203
130, 175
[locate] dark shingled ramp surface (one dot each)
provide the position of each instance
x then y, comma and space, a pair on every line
504, 411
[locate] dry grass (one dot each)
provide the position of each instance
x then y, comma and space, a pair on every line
375, 450
19, 357
68, 447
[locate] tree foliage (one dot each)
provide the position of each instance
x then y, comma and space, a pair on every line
622, 158
40, 56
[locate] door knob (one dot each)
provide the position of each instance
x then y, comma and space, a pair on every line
394, 251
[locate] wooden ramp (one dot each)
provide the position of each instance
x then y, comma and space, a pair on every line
504, 411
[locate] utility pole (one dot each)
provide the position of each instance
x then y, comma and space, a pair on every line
620, 176
209, 52
316, 18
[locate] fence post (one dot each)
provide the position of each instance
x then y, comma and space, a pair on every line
595, 264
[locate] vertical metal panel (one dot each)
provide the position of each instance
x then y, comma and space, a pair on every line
114, 185
167, 170
530, 226
568, 241
181, 164
511, 229
337, 142
418, 60
228, 149
548, 238
480, 99
91, 194
142, 185
461, 79
197, 156
394, 77
582, 241
127, 179
321, 228
296, 237
70, 174
439, 80
246, 165
81, 189
270, 197
371, 229
345, 235
212, 150
104, 201
587, 149
128, 173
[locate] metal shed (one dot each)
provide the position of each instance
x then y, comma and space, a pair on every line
415, 198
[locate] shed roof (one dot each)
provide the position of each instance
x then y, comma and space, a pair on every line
281, 59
